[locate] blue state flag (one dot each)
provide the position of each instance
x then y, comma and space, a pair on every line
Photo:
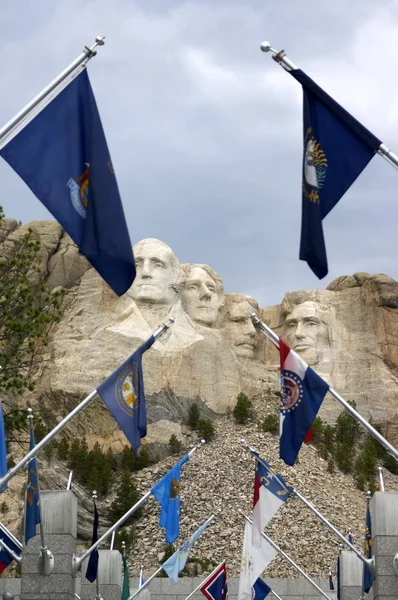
123, 393
336, 150
167, 493
367, 577
62, 155
92, 567
177, 561
3, 448
260, 589
32, 503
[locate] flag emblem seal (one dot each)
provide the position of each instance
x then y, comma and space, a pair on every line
315, 166
292, 391
174, 488
78, 189
126, 389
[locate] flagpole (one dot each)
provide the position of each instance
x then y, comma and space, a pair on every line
86, 55
45, 564
141, 575
368, 499
77, 560
368, 562
10, 552
146, 583
276, 547
14, 470
271, 335
206, 579
381, 480
285, 62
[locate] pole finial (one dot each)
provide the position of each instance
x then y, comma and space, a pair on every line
94, 496
368, 495
30, 413
100, 40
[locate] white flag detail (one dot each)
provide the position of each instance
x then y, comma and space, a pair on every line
254, 560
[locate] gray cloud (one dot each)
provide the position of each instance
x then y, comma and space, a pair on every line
205, 130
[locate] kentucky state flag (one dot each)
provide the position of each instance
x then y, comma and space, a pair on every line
167, 493
336, 150
215, 587
270, 492
177, 561
302, 393
12, 543
62, 155
260, 590
123, 393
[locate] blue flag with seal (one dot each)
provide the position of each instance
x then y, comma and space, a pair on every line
337, 148
3, 448
177, 561
32, 503
167, 493
367, 577
123, 393
92, 566
260, 589
62, 155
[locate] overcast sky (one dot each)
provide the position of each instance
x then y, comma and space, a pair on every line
205, 130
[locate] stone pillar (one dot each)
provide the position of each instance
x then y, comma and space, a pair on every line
384, 512
59, 516
109, 577
351, 568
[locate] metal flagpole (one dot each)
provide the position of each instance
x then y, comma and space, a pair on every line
45, 564
10, 552
14, 470
69, 484
285, 62
141, 574
86, 55
146, 583
112, 540
368, 562
276, 547
381, 480
368, 499
77, 560
206, 579
373, 432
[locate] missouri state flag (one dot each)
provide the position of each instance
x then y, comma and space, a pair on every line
270, 492
302, 393
337, 148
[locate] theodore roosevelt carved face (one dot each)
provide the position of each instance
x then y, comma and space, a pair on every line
203, 294
158, 273
238, 325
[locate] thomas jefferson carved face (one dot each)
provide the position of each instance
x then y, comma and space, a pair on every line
158, 273
238, 325
203, 294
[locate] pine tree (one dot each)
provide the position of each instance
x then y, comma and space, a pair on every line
63, 449
126, 496
242, 408
193, 416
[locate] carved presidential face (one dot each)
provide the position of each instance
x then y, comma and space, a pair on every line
305, 328
239, 328
158, 272
201, 298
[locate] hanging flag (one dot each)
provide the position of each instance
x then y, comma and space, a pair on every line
338, 578
173, 565
62, 155
302, 393
367, 577
167, 493
336, 150
270, 492
3, 448
123, 393
254, 561
12, 543
92, 567
260, 590
350, 535
215, 587
126, 581
331, 584
32, 502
